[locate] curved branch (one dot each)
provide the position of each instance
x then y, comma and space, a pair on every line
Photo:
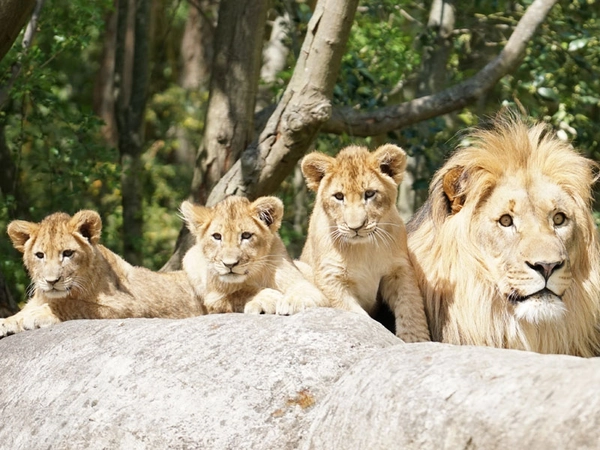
386, 119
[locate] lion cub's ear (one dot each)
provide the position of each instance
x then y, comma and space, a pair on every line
269, 210
391, 160
20, 231
314, 167
88, 224
195, 216
452, 185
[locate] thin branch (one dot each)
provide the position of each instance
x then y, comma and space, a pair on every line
356, 123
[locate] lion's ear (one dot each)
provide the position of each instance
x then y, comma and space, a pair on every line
452, 186
88, 224
20, 231
269, 210
314, 167
195, 216
391, 160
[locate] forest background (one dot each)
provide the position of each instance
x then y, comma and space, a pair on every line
130, 107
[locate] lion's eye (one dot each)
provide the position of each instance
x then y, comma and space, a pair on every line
246, 235
370, 194
216, 237
506, 220
39, 255
559, 219
68, 253
339, 196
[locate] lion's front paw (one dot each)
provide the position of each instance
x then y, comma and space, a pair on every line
265, 302
28, 319
9, 326
295, 302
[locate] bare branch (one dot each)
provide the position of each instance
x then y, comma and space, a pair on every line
386, 119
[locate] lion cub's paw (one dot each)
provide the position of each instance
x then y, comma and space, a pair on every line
29, 319
265, 302
9, 326
295, 302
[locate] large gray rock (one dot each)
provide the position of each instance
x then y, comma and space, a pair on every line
227, 381
434, 396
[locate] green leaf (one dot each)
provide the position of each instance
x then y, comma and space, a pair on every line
548, 93
578, 44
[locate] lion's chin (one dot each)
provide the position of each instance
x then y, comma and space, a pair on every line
55, 293
232, 278
544, 306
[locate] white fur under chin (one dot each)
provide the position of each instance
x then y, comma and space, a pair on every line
55, 294
232, 278
547, 308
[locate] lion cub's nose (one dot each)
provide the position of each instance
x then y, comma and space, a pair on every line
546, 268
356, 228
52, 281
230, 264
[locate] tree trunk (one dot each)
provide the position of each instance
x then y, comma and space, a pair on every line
197, 45
130, 105
433, 78
275, 56
14, 14
104, 101
196, 48
305, 106
8, 306
230, 113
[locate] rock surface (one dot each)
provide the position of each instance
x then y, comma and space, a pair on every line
318, 380
433, 396
228, 381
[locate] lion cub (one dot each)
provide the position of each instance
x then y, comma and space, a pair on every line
239, 262
77, 278
356, 247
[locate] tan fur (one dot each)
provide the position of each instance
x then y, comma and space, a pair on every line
506, 249
74, 277
240, 262
356, 245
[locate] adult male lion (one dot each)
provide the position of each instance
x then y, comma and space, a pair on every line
75, 277
505, 248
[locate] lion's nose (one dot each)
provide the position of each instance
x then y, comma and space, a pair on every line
356, 228
546, 268
230, 264
52, 281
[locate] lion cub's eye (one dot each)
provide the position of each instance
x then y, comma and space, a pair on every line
68, 253
39, 255
506, 220
246, 235
216, 237
559, 219
339, 196
370, 194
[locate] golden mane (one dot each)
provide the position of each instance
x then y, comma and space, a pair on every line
453, 263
